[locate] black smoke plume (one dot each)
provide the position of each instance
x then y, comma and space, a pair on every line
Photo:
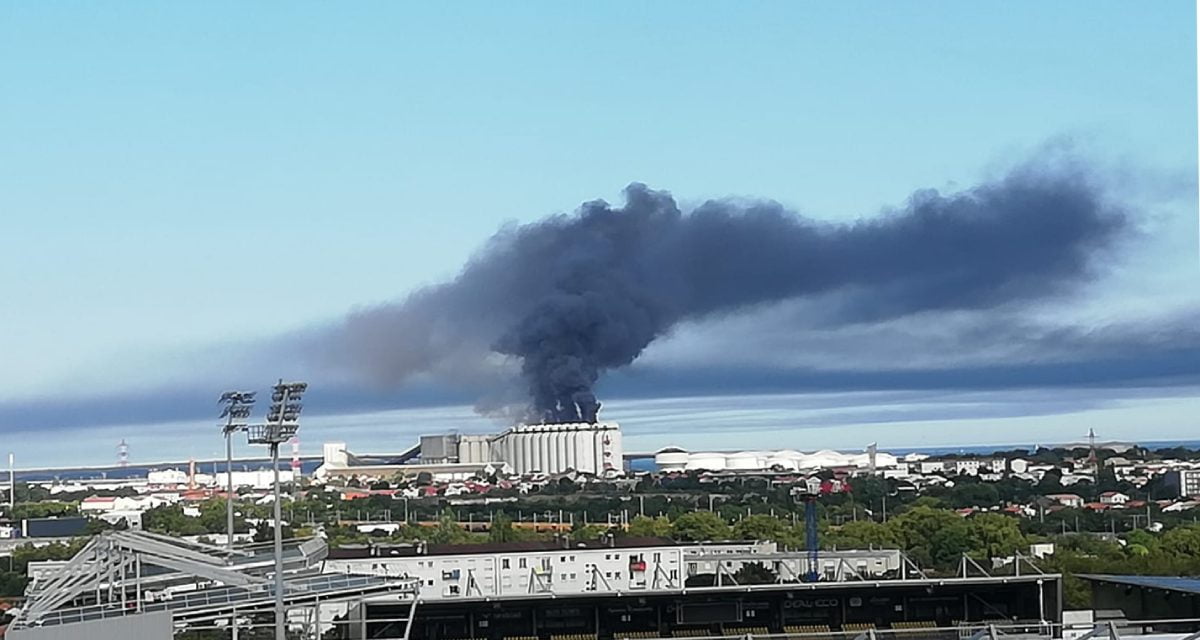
572, 296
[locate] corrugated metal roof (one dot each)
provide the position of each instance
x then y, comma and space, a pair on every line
1182, 584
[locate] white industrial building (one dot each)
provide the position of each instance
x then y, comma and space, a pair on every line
676, 459
591, 448
508, 570
528, 449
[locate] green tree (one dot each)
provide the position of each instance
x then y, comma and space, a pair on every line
974, 494
947, 545
48, 509
932, 536
12, 584
995, 536
862, 534
754, 573
169, 520
647, 527
760, 527
448, 531
1140, 542
589, 533
502, 529
698, 526
1182, 541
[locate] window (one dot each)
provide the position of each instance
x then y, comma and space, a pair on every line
521, 563
504, 563
562, 558
657, 557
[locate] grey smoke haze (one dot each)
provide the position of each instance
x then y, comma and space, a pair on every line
572, 296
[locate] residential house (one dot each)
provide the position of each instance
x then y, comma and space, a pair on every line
1113, 498
1069, 500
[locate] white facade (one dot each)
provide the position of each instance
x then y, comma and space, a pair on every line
261, 479
927, 467
595, 569
1113, 497
550, 448
1066, 499
167, 477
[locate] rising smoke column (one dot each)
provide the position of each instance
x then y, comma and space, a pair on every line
572, 296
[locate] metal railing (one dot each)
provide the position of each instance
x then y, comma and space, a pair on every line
1182, 629
327, 587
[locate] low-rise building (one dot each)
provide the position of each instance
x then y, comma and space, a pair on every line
618, 565
1113, 498
1069, 500
1184, 482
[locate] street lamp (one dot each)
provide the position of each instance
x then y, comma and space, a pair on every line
283, 420
237, 410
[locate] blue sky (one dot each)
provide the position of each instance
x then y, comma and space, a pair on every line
180, 183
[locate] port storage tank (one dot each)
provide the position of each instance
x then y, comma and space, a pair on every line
744, 461
782, 463
671, 459
710, 461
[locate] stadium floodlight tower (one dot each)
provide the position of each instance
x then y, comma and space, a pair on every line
283, 421
238, 405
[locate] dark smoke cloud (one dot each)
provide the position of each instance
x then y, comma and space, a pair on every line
573, 296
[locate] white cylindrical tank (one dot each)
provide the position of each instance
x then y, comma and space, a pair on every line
502, 451
570, 445
782, 462
560, 450
744, 460
515, 456
527, 446
587, 452
706, 462
555, 452
546, 446
671, 459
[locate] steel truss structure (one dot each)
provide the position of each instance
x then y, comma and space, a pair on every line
120, 574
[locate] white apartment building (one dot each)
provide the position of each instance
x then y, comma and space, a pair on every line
520, 569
